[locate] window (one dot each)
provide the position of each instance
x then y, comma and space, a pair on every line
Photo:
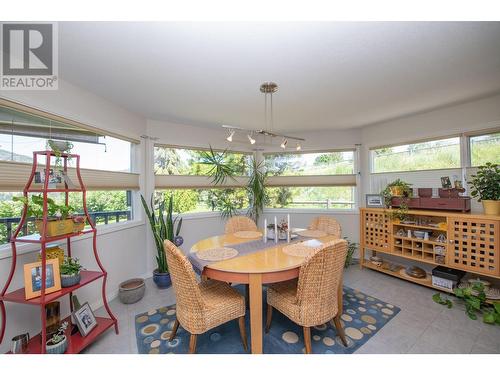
323, 197
438, 154
189, 162
206, 200
104, 159
484, 149
314, 180
307, 164
105, 207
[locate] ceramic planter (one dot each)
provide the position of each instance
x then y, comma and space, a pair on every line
70, 280
491, 207
131, 291
162, 280
58, 348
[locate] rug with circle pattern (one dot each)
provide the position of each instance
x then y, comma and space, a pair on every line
362, 318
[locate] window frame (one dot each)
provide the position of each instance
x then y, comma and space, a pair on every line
467, 143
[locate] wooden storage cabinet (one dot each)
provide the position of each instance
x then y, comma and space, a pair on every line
375, 230
474, 245
472, 240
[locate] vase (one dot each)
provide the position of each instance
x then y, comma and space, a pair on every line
70, 280
58, 348
491, 207
162, 279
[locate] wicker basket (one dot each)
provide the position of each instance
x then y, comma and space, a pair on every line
59, 227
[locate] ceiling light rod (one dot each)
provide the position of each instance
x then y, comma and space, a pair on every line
263, 132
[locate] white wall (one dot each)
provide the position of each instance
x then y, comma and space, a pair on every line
123, 253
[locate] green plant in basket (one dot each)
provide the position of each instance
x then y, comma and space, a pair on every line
474, 299
351, 248
54, 210
401, 189
70, 266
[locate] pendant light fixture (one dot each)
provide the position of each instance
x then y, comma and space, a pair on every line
268, 89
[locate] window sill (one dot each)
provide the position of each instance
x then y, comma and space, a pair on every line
102, 230
323, 211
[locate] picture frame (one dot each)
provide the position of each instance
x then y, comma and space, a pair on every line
85, 319
445, 182
374, 201
33, 278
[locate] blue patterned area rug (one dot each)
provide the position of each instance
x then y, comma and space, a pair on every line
363, 316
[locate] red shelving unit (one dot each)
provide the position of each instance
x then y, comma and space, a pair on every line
76, 342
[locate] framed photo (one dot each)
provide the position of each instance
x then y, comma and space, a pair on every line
374, 201
85, 319
445, 182
33, 278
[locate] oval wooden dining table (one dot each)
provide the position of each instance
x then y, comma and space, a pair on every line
269, 265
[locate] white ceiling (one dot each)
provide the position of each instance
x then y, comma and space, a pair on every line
331, 75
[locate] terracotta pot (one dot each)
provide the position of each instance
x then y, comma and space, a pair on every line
491, 207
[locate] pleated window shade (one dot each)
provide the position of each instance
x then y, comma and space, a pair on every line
202, 182
14, 176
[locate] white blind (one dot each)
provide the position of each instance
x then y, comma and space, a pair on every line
195, 182
14, 175
333, 180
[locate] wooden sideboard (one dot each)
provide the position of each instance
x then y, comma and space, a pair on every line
472, 241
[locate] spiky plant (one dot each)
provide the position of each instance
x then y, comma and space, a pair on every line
164, 227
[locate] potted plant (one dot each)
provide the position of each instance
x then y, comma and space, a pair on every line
70, 272
60, 218
164, 227
58, 343
402, 190
58, 148
351, 248
485, 186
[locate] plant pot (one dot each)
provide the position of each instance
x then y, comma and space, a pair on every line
396, 191
491, 207
58, 348
60, 146
131, 291
425, 192
70, 280
162, 280
59, 227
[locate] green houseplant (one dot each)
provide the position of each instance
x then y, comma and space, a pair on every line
474, 300
58, 343
58, 148
351, 249
61, 218
401, 189
220, 171
164, 227
485, 186
70, 272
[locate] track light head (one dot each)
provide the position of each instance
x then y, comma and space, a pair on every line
299, 147
230, 137
252, 140
283, 144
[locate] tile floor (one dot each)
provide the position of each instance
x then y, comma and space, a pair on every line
422, 326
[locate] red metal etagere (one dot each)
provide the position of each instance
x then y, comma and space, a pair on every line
76, 342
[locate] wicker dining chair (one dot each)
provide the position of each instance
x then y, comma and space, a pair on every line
312, 299
239, 223
201, 306
326, 224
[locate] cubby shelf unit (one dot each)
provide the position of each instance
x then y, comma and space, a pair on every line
76, 342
